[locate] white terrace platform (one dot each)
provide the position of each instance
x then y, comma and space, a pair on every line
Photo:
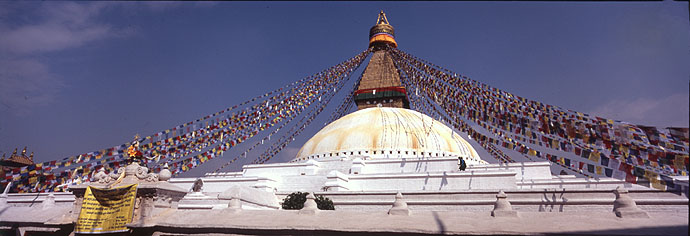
430, 184
438, 199
404, 174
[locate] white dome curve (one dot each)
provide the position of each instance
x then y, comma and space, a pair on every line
384, 132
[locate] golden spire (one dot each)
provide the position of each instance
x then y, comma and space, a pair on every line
382, 19
382, 34
15, 152
24, 152
32, 156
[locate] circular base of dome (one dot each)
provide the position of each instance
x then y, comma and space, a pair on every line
384, 132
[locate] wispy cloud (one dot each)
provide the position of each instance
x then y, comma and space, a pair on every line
167, 5
60, 26
661, 111
28, 31
63, 25
26, 83
162, 5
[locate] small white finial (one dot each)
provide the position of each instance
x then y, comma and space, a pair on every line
399, 206
502, 207
310, 207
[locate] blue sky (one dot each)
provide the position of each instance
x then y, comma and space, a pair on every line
82, 76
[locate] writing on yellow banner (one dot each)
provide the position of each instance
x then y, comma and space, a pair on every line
106, 210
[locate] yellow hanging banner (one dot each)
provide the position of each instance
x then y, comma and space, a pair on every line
106, 210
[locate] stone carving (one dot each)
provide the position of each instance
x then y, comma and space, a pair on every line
140, 172
116, 175
100, 176
198, 185
165, 173
625, 207
143, 174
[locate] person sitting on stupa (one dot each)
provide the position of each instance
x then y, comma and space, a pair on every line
462, 164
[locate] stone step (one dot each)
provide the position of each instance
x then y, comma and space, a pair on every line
514, 194
527, 200
591, 201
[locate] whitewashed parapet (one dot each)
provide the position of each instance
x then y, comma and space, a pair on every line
434, 181
533, 200
30, 199
267, 200
220, 184
407, 165
280, 169
266, 184
357, 166
303, 183
574, 183
224, 174
311, 168
337, 181
523, 170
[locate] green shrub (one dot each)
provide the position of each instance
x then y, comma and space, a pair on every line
323, 203
295, 201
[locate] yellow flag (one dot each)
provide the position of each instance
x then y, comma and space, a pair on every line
594, 156
654, 180
106, 210
679, 162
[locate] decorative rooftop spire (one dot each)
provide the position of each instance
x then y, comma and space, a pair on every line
382, 19
15, 160
382, 34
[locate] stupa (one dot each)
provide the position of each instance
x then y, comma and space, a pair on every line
388, 170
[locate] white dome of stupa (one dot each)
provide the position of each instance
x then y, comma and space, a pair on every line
384, 132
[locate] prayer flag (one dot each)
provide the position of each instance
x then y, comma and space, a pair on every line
668, 181
608, 172
604, 161
594, 156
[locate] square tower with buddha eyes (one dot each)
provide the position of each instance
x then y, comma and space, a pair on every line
380, 83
